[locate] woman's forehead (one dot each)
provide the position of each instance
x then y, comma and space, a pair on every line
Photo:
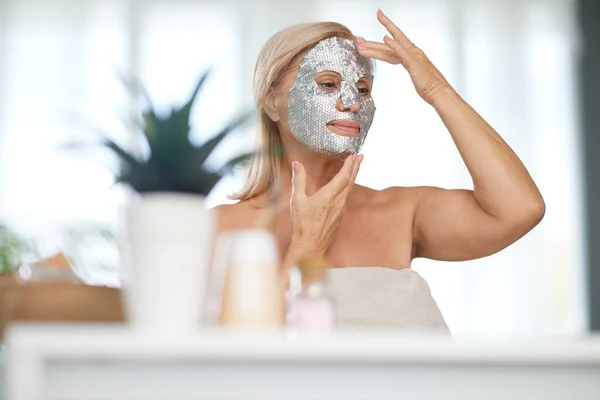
337, 55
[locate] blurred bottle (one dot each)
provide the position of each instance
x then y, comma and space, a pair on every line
311, 310
251, 295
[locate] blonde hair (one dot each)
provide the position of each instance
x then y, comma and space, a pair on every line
273, 62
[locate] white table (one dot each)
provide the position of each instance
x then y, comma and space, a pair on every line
112, 362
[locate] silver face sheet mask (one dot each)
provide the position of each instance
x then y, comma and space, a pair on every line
310, 108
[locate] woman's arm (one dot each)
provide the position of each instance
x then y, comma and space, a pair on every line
505, 203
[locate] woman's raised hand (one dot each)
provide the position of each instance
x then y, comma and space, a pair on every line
398, 49
316, 219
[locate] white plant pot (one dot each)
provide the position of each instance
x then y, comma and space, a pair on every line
165, 256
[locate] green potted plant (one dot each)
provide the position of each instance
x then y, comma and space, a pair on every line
11, 247
168, 229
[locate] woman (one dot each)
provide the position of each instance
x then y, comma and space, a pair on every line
313, 90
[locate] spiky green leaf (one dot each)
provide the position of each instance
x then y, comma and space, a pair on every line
123, 155
183, 114
207, 148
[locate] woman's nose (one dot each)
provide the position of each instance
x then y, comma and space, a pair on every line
349, 100
353, 108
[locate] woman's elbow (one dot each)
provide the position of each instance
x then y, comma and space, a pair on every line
532, 212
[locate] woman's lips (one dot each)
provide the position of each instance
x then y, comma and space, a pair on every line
344, 127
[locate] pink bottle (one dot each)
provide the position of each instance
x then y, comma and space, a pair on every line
312, 311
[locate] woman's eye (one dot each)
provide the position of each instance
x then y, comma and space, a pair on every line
364, 91
328, 85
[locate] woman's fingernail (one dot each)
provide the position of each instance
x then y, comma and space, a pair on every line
387, 37
380, 12
294, 166
360, 40
360, 157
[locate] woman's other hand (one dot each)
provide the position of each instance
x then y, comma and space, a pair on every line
427, 79
315, 219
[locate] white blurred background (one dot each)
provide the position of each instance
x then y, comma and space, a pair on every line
513, 61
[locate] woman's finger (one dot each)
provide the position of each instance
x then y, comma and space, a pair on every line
355, 170
298, 179
341, 179
387, 56
357, 167
368, 44
380, 51
403, 54
396, 33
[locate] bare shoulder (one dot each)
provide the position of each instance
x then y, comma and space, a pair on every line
388, 216
397, 203
240, 215
396, 197
410, 194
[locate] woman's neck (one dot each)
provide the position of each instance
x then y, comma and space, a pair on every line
319, 172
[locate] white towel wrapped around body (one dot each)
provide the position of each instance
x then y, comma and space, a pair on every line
375, 297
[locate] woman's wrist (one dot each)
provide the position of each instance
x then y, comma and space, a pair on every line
299, 249
444, 96
304, 247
